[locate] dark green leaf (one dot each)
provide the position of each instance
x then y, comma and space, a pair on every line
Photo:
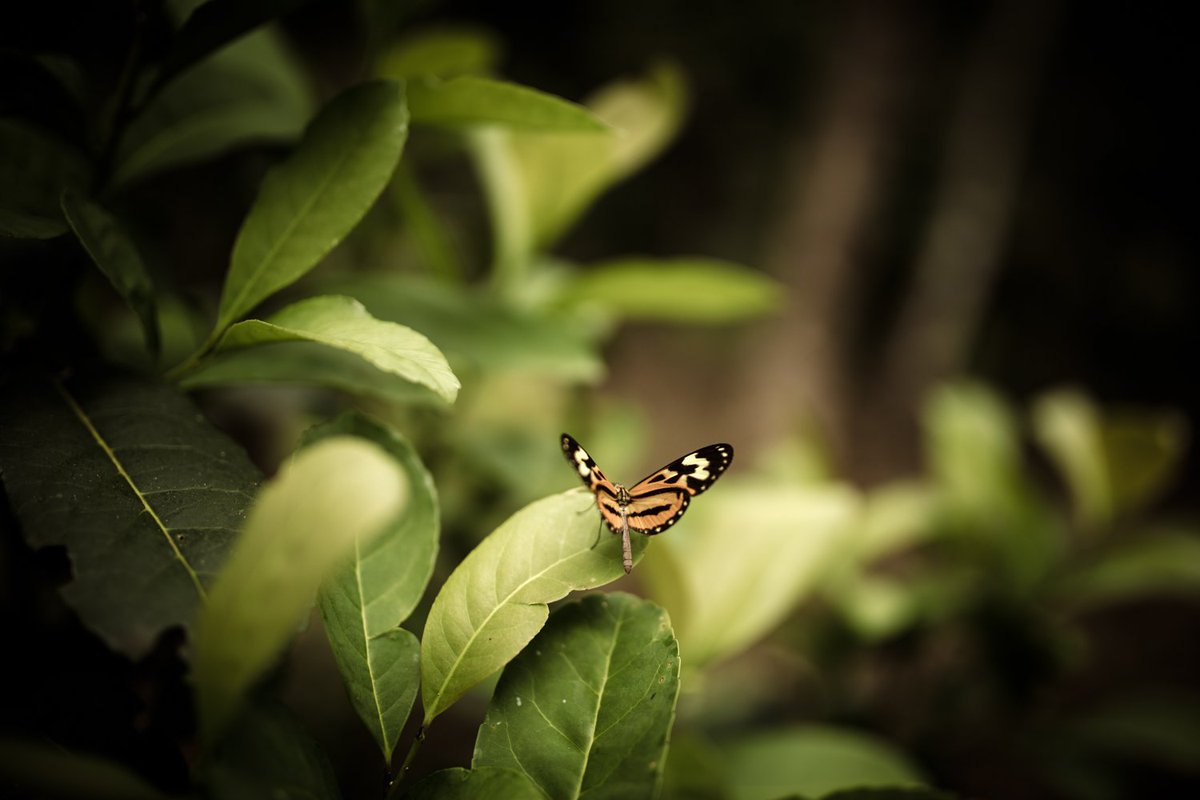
364, 603
342, 323
117, 257
1153, 563
483, 783
268, 754
470, 101
49, 772
307, 204
252, 91
813, 760
586, 708
142, 492
305, 522
441, 52
695, 770
889, 793
35, 169
494, 602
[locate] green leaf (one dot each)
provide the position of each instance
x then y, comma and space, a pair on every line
442, 52
364, 603
1113, 463
495, 600
305, 521
49, 772
142, 492
482, 783
695, 770
267, 754
307, 364
1154, 563
973, 447
742, 559
342, 323
587, 707
35, 169
889, 793
472, 101
481, 331
251, 91
813, 760
308, 203
678, 289
117, 257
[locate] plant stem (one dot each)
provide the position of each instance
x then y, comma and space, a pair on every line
398, 778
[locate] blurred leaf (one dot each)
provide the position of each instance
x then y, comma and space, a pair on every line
813, 760
894, 518
308, 203
342, 323
35, 169
695, 770
471, 101
877, 607
972, 446
215, 24
364, 603
117, 257
29, 769
267, 754
1162, 728
1153, 563
1113, 463
736, 566
479, 329
434, 242
251, 91
677, 289
889, 793
481, 783
442, 52
142, 492
307, 364
305, 521
538, 184
495, 600
613, 663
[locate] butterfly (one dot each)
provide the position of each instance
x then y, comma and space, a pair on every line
657, 501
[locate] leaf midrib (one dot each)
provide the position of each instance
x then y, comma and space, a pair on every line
102, 443
587, 751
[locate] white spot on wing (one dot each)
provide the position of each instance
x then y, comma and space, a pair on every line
701, 472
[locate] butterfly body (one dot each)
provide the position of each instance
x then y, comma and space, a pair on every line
654, 503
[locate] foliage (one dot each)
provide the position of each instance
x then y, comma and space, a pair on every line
143, 539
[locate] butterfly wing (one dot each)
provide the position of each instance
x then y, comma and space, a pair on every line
595, 481
659, 500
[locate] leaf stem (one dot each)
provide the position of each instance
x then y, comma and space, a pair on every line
398, 778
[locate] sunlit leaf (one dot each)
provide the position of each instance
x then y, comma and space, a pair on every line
305, 521
471, 101
443, 52
117, 257
251, 91
586, 708
481, 783
812, 760
308, 203
494, 602
267, 754
742, 559
142, 492
35, 168
677, 289
343, 324
364, 603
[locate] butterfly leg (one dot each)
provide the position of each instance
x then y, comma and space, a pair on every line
598, 530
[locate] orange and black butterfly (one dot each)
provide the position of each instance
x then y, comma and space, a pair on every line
657, 501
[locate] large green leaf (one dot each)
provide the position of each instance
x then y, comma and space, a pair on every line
471, 101
586, 708
812, 760
251, 91
267, 754
482, 783
117, 257
307, 204
495, 600
479, 330
35, 169
306, 520
364, 603
742, 559
142, 492
344, 324
677, 289
442, 52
